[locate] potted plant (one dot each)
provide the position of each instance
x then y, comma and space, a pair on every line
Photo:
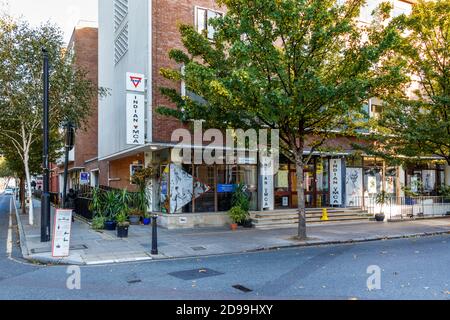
110, 208
141, 179
122, 224
381, 199
241, 200
237, 215
96, 207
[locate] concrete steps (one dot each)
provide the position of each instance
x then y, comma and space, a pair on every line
289, 218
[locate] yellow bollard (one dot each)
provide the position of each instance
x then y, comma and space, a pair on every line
324, 215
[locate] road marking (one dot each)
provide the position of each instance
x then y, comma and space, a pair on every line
9, 241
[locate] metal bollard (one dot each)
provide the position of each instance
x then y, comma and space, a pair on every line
155, 235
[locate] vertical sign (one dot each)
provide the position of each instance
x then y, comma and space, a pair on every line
354, 187
135, 119
61, 233
267, 183
336, 182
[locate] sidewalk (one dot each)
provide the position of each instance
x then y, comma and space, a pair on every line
89, 247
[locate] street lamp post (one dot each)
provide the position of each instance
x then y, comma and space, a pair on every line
70, 141
45, 200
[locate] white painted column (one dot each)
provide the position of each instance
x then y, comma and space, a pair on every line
447, 175
401, 178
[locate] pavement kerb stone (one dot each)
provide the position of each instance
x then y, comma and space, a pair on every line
22, 238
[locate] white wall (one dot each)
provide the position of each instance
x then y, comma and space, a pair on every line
112, 111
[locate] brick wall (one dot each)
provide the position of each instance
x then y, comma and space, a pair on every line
167, 15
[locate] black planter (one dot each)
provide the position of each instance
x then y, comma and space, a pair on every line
247, 224
110, 225
122, 231
380, 217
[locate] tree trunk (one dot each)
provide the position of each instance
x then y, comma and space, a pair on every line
29, 193
302, 235
22, 195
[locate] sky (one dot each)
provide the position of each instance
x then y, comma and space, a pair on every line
64, 13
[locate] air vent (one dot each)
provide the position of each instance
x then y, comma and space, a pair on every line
120, 12
121, 44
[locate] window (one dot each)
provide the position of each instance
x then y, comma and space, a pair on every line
202, 18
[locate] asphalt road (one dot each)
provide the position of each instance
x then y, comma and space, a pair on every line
410, 269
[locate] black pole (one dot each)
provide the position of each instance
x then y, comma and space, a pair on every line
155, 235
66, 173
45, 200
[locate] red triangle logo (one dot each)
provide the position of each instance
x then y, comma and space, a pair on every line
136, 81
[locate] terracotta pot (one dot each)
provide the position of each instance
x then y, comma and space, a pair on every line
234, 226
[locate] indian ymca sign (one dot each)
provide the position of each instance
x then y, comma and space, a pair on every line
135, 109
336, 182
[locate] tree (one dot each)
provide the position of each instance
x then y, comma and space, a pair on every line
416, 121
304, 67
21, 90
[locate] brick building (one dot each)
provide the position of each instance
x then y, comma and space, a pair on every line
135, 38
83, 158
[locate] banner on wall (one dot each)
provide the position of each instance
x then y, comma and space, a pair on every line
354, 186
135, 119
267, 184
336, 182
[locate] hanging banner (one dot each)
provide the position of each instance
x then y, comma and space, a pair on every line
61, 233
336, 182
267, 196
135, 119
135, 82
354, 187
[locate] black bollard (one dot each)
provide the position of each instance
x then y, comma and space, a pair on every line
155, 235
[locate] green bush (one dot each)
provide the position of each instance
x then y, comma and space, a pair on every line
98, 223
238, 215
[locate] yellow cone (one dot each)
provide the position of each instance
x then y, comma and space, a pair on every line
324, 215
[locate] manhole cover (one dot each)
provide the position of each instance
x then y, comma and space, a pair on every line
195, 274
242, 288
198, 248
46, 250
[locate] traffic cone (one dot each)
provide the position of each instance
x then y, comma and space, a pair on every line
324, 215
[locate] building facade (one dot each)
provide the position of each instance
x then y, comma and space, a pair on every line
84, 167
135, 38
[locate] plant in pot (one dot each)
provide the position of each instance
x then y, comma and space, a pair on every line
122, 223
96, 207
110, 209
135, 212
381, 199
141, 179
237, 216
241, 200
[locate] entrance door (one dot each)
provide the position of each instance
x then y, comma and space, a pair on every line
310, 187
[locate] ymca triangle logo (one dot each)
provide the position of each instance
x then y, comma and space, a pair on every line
136, 81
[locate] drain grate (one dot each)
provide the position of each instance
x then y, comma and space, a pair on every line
242, 288
198, 248
46, 250
195, 274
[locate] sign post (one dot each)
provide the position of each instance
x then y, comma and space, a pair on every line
61, 233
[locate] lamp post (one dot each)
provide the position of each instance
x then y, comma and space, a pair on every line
69, 143
45, 199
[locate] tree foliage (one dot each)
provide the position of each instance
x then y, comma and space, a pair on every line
304, 67
416, 117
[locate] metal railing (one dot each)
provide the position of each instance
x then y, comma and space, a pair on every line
406, 208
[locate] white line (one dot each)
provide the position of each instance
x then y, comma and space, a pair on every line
9, 241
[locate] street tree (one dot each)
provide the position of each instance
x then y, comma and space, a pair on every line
303, 67
416, 118
21, 90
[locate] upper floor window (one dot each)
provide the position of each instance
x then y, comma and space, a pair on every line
202, 18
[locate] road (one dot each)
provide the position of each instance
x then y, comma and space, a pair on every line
410, 269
